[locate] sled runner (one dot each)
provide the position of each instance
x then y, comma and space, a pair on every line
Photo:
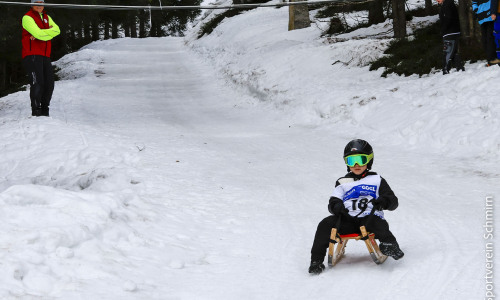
335, 253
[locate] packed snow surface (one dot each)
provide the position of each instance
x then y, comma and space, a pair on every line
176, 168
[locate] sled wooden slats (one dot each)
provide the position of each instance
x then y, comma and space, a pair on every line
336, 250
331, 247
372, 246
336, 253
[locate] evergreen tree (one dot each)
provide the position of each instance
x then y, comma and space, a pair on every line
11, 71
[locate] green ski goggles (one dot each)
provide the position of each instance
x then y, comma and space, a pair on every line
359, 159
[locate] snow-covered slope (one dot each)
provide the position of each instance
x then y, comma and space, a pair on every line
198, 169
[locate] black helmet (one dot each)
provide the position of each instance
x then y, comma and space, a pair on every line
358, 147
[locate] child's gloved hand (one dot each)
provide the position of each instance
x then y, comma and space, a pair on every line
337, 208
380, 203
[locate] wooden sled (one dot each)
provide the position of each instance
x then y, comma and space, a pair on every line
336, 253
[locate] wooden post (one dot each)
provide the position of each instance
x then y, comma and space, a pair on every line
376, 12
399, 18
298, 16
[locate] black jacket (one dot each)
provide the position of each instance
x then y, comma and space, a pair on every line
450, 24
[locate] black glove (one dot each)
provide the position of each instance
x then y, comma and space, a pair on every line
380, 203
337, 207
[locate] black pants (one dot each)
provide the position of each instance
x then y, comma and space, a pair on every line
41, 76
377, 226
488, 40
450, 53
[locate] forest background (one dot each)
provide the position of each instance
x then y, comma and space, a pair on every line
79, 27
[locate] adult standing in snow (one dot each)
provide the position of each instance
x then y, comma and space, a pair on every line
38, 31
450, 30
486, 11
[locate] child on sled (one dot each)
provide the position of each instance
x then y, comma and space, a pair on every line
354, 197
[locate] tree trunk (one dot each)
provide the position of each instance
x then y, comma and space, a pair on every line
78, 31
399, 21
298, 16
106, 29
3, 74
469, 28
463, 15
126, 25
86, 31
95, 30
3, 51
142, 24
114, 29
152, 29
133, 26
64, 37
428, 7
127, 29
70, 37
376, 12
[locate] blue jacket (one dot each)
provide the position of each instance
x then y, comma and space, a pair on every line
484, 9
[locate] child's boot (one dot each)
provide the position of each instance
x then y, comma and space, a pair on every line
391, 249
316, 267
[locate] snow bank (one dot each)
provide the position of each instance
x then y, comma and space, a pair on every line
326, 81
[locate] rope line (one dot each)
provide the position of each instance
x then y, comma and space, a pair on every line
188, 7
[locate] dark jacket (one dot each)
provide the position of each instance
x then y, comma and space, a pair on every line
450, 24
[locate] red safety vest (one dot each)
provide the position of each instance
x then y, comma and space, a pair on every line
36, 47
